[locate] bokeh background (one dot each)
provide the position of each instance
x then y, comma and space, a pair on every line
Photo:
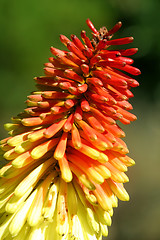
29, 28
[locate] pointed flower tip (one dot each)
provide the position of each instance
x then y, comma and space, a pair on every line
119, 23
91, 26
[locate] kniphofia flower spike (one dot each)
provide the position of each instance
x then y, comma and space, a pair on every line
66, 157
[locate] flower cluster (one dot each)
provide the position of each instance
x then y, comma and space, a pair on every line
66, 159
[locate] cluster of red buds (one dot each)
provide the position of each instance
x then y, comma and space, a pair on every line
67, 161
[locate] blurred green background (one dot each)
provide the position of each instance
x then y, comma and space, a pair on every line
29, 28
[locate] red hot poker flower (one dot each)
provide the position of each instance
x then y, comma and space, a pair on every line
66, 156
